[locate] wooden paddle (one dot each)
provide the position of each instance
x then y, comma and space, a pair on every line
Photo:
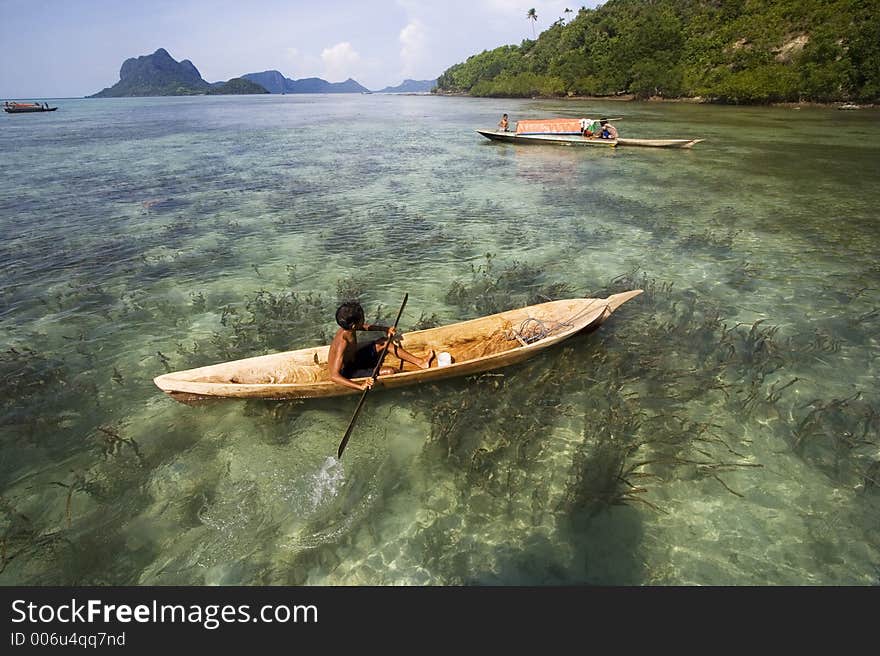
360, 404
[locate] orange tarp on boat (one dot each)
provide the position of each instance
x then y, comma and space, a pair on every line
549, 126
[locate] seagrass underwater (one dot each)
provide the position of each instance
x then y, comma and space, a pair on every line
720, 429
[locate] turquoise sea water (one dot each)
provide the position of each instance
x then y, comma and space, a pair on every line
720, 429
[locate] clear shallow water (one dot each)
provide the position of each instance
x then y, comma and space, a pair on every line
720, 429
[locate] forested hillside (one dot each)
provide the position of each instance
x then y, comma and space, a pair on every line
737, 51
158, 74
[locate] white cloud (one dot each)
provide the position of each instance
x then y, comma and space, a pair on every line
414, 49
340, 62
294, 61
298, 64
436, 35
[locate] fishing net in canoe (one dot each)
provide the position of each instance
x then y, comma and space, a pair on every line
529, 331
532, 329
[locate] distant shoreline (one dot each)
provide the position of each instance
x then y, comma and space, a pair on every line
696, 100
623, 98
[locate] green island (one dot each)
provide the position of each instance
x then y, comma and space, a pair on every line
726, 51
236, 86
159, 74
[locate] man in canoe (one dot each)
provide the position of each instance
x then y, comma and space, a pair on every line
347, 361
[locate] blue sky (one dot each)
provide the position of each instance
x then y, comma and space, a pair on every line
73, 48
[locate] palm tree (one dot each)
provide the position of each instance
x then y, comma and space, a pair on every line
532, 15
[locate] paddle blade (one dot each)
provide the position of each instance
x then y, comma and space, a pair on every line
342, 444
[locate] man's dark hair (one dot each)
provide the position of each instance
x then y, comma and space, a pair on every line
350, 314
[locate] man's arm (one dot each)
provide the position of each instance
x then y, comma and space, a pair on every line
376, 327
389, 331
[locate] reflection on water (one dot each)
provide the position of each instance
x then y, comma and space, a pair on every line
722, 428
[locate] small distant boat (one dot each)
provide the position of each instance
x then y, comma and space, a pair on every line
575, 132
578, 140
26, 108
558, 139
561, 131
477, 345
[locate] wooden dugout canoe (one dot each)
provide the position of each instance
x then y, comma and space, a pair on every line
477, 345
659, 143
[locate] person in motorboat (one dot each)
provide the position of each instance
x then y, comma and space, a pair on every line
589, 128
607, 131
503, 124
346, 360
